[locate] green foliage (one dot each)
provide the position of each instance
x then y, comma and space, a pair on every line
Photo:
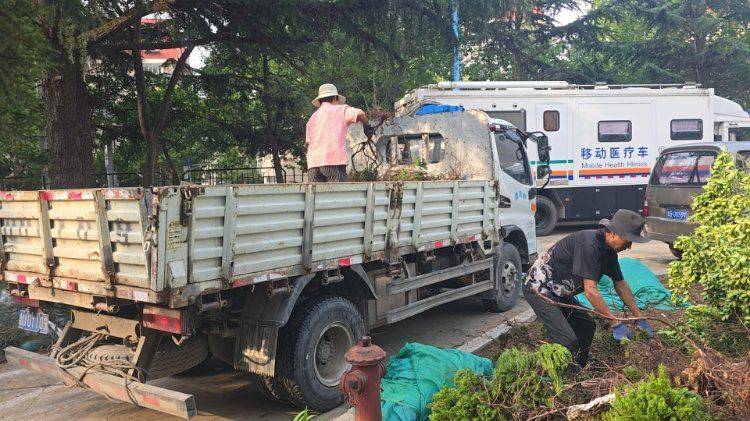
522, 382
704, 323
656, 399
632, 373
717, 254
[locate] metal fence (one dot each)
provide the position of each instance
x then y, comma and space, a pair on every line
203, 176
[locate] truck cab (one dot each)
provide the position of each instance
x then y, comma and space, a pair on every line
466, 145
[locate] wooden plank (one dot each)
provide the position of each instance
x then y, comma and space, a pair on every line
114, 387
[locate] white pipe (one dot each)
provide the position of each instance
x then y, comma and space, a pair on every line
550, 84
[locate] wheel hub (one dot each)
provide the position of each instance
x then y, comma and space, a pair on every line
330, 348
508, 278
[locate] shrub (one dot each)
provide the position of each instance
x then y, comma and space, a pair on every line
656, 399
704, 323
717, 254
522, 382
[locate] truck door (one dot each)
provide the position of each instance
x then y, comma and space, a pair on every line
515, 182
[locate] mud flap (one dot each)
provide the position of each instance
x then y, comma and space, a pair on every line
256, 348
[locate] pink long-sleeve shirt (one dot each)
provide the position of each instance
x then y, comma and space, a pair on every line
326, 134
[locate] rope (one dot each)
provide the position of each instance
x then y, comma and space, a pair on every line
76, 354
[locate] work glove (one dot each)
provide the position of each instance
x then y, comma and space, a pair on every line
369, 130
621, 331
646, 327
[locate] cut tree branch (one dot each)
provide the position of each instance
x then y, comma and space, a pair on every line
121, 22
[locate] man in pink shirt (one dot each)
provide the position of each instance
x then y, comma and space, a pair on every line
326, 135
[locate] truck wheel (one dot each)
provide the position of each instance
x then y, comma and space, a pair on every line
169, 359
312, 347
545, 216
222, 349
271, 388
508, 278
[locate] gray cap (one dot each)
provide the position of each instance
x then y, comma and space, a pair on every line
627, 224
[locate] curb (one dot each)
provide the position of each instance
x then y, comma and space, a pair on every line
344, 413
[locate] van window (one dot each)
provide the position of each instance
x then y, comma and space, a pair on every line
514, 117
512, 156
743, 160
615, 131
683, 168
551, 120
739, 134
686, 129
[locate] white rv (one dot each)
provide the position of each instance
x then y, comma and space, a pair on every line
604, 138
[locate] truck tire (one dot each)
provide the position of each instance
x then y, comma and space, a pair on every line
222, 349
271, 388
169, 359
545, 216
508, 276
312, 345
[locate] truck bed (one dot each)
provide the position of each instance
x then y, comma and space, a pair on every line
170, 244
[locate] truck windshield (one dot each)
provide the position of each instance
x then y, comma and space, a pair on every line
683, 168
512, 156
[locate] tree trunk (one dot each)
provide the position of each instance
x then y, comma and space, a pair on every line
149, 166
517, 59
277, 165
67, 114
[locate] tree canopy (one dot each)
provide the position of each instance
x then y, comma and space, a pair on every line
72, 75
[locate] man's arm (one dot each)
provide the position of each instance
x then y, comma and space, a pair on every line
623, 290
596, 300
362, 118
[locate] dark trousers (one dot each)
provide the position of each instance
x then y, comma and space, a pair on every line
327, 173
573, 329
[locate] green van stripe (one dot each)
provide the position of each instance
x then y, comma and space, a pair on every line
555, 161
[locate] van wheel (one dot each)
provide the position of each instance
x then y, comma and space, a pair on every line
545, 216
676, 253
508, 279
312, 347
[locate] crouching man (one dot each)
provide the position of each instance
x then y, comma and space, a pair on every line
575, 264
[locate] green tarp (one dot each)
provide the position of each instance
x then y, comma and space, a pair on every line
417, 372
647, 289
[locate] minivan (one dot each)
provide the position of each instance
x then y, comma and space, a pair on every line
680, 174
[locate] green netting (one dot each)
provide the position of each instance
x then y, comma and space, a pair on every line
647, 290
417, 372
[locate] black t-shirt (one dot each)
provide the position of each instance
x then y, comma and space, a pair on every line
579, 256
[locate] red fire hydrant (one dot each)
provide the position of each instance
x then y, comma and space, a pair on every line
361, 384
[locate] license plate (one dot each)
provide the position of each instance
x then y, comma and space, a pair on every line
33, 320
679, 214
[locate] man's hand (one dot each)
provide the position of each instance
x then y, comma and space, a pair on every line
646, 327
369, 130
620, 331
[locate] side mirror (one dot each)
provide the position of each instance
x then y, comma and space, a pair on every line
542, 171
542, 146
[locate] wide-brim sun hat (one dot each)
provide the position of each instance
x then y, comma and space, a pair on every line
627, 224
327, 90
